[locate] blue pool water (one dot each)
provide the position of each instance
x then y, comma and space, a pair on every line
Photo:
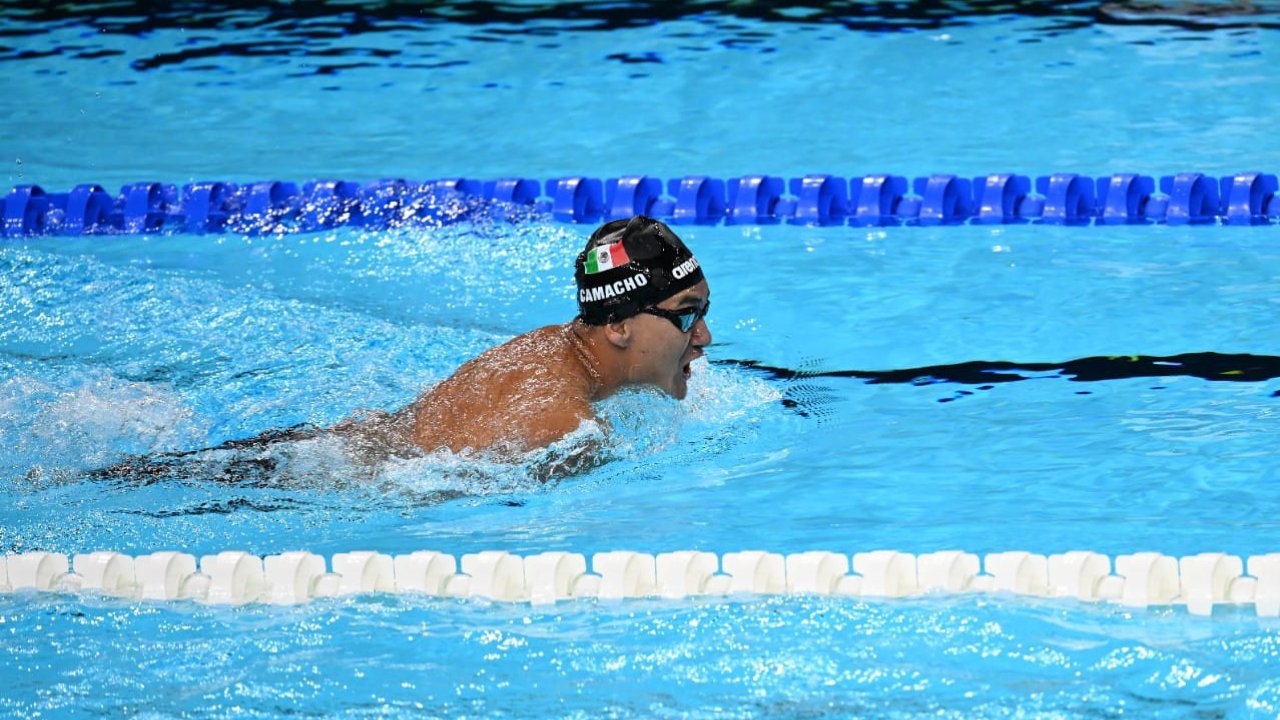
116, 347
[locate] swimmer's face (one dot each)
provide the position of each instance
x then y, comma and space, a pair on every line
663, 353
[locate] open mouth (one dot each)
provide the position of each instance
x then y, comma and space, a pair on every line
687, 368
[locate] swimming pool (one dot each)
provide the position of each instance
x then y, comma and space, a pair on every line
123, 345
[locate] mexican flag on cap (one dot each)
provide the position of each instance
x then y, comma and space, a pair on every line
606, 257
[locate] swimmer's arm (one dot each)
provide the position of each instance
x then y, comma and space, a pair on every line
552, 424
578, 451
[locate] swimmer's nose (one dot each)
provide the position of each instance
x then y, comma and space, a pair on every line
701, 333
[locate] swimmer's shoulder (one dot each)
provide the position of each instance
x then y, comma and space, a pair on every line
550, 398
526, 393
542, 343
546, 340
538, 355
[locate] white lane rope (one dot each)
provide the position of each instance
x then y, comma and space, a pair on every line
1198, 582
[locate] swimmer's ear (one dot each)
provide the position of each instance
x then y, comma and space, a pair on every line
619, 333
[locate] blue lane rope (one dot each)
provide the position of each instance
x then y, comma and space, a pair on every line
279, 206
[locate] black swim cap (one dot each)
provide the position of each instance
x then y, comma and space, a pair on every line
629, 265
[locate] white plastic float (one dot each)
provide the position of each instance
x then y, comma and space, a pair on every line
36, 570
818, 572
1018, 572
947, 571
1079, 574
235, 577
1266, 569
1207, 579
625, 574
552, 576
1200, 582
423, 571
686, 573
887, 573
291, 577
364, 572
1149, 579
109, 573
496, 575
756, 572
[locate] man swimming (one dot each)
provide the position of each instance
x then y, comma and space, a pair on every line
642, 300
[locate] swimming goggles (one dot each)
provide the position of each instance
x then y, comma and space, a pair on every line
684, 319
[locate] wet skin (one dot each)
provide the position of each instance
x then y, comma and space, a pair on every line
535, 389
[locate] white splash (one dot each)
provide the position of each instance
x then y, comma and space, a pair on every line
88, 419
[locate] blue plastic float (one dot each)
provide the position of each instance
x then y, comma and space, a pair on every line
280, 206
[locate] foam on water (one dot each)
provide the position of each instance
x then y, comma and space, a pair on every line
88, 418
647, 422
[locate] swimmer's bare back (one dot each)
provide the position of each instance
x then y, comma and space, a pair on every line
522, 395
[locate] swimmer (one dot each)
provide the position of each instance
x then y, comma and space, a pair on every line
642, 303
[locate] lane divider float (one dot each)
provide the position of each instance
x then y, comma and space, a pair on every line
280, 206
1199, 582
